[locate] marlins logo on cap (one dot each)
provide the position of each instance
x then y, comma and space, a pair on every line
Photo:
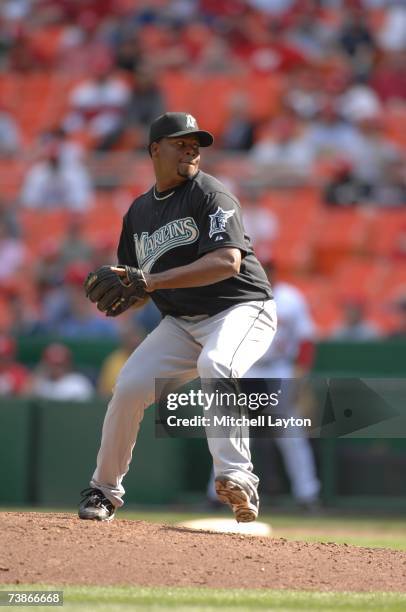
191, 122
171, 125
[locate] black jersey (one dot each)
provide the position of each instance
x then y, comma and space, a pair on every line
198, 216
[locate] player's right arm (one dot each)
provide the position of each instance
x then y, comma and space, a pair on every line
211, 268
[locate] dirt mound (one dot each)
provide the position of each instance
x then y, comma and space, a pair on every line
61, 549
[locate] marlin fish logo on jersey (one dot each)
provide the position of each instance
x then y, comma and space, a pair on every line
218, 221
149, 248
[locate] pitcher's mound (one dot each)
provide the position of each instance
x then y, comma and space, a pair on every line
59, 548
221, 525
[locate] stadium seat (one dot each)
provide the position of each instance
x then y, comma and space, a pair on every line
394, 281
360, 277
180, 90
11, 176
340, 233
395, 125
386, 226
325, 308
105, 218
40, 226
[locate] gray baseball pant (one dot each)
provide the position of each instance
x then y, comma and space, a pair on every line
225, 345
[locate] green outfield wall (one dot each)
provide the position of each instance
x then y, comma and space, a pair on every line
48, 449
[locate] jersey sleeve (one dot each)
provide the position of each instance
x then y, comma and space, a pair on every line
220, 224
126, 252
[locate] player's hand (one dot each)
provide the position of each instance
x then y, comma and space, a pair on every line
115, 288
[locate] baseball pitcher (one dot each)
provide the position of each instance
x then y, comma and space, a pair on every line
182, 245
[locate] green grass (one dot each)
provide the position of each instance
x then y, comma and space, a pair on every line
121, 599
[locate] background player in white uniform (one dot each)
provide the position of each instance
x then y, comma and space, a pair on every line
290, 356
198, 266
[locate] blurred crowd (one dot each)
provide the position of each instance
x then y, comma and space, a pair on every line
298, 93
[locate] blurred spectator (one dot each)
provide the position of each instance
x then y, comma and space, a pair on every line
356, 39
304, 94
54, 183
343, 188
399, 247
308, 32
147, 317
56, 138
393, 33
55, 379
14, 377
328, 133
217, 58
285, 156
104, 250
15, 10
75, 246
49, 276
98, 103
262, 46
24, 316
85, 38
389, 80
371, 152
10, 218
391, 191
128, 55
48, 268
130, 337
80, 318
400, 331
239, 128
146, 102
12, 254
22, 54
354, 327
10, 136
358, 102
260, 224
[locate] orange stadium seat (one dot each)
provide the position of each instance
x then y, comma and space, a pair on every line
46, 41
386, 227
105, 218
292, 255
297, 214
359, 277
10, 90
325, 308
212, 104
180, 90
11, 177
340, 233
297, 209
265, 94
41, 226
395, 126
394, 282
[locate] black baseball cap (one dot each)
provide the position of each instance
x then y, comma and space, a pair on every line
178, 124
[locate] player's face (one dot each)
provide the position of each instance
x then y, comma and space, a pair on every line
178, 157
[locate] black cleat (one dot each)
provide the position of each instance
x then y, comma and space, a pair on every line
95, 506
